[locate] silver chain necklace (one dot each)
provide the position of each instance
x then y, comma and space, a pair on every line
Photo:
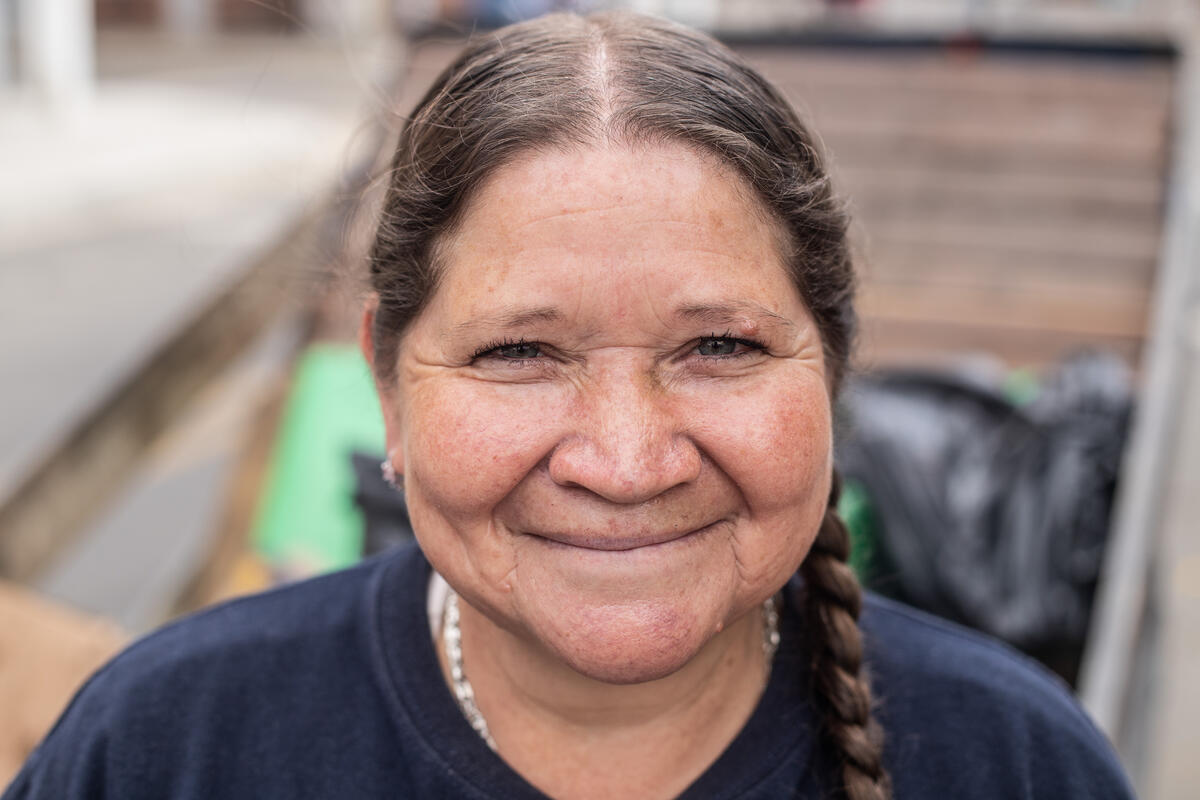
465, 695
452, 639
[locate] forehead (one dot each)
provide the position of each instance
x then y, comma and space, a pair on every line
673, 181
616, 226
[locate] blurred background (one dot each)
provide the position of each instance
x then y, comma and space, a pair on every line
186, 195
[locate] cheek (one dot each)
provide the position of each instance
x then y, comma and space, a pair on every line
471, 443
774, 443
776, 447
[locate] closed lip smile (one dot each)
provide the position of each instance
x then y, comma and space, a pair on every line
619, 541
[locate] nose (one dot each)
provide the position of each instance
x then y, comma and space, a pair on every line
626, 444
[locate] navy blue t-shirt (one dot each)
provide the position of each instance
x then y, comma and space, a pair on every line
331, 689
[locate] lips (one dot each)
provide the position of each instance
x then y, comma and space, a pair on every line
620, 541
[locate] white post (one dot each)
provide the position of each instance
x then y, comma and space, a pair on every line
1125, 590
57, 50
190, 18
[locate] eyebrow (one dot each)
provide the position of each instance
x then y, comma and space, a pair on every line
711, 313
509, 318
729, 313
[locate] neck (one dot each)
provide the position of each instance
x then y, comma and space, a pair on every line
564, 732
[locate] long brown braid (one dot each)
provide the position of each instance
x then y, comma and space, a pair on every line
832, 602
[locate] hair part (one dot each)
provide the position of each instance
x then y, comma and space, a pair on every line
564, 81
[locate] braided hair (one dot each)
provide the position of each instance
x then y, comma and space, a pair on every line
565, 80
832, 603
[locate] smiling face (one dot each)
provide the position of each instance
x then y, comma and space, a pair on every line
612, 417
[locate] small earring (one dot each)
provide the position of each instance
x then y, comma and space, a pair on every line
389, 474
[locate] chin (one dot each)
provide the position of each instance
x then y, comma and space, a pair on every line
628, 645
626, 671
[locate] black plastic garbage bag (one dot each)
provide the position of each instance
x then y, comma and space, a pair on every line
991, 513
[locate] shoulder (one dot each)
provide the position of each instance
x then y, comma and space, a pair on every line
220, 681
911, 642
279, 622
969, 712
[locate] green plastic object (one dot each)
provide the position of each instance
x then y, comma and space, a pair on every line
307, 521
854, 507
1021, 387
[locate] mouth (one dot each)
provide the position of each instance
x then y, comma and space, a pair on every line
617, 542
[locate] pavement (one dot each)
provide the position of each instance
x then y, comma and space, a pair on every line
119, 220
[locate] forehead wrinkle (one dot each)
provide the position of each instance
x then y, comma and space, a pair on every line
622, 203
562, 213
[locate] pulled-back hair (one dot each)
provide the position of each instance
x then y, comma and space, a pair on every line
564, 81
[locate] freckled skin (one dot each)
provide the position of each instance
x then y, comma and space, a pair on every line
709, 473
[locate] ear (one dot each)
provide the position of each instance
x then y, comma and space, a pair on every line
366, 331
387, 396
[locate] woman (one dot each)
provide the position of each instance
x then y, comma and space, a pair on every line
610, 308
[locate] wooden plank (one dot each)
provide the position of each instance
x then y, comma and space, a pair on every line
1058, 114
915, 205
985, 76
978, 267
1108, 129
1098, 245
865, 152
1090, 192
927, 343
1080, 309
912, 195
1066, 111
970, 142
1010, 229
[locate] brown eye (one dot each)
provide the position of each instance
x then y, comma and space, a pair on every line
519, 351
717, 346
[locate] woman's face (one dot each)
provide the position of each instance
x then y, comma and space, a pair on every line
612, 418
